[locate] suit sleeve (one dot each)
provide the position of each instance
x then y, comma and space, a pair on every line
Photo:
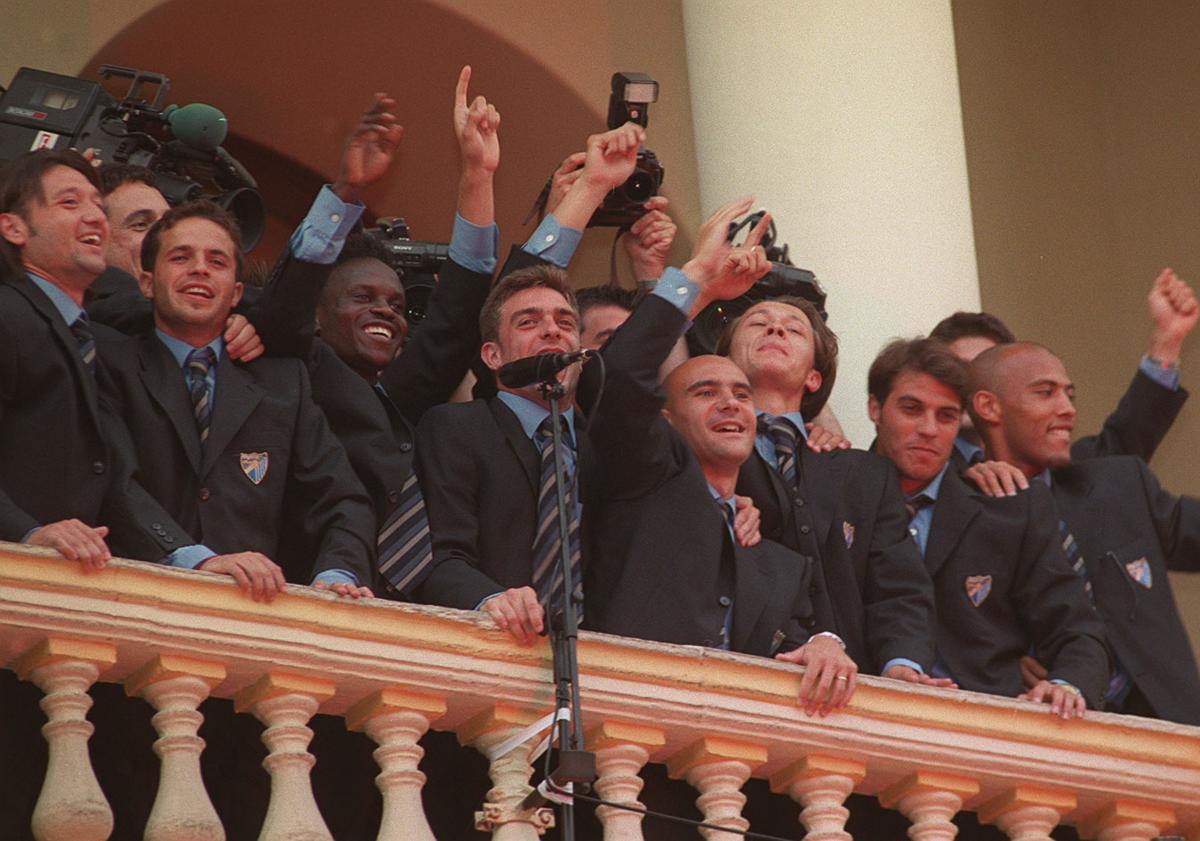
340, 517
15, 521
284, 314
1177, 521
1067, 632
449, 478
1139, 423
635, 450
442, 346
898, 593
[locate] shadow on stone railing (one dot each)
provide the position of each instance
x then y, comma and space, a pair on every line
713, 718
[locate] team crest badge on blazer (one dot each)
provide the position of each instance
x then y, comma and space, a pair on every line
1139, 571
254, 465
848, 533
978, 588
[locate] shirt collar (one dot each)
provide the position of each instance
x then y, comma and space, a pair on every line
933, 488
531, 414
66, 307
1046, 477
794, 418
180, 349
968, 449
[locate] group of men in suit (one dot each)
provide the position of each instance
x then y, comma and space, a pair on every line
973, 548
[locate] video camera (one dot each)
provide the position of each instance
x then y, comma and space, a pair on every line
181, 146
417, 263
631, 93
784, 279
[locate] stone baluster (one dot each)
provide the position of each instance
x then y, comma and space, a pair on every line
621, 751
821, 785
396, 719
285, 703
71, 806
718, 767
1027, 813
930, 799
1127, 820
175, 685
502, 814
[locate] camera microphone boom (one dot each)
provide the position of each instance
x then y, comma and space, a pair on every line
536, 369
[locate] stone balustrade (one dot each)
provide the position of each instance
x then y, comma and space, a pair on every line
713, 718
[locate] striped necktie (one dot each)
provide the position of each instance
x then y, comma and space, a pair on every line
86, 341
785, 437
405, 548
547, 544
198, 364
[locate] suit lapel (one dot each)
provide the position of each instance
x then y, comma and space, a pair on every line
164, 382
521, 445
956, 507
236, 398
1084, 515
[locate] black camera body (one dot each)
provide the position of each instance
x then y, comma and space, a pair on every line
417, 263
181, 146
631, 94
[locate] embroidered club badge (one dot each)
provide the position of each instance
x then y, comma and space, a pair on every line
254, 465
978, 588
1139, 571
848, 533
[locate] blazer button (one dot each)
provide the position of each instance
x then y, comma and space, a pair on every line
799, 502
97, 467
204, 494
405, 446
393, 497
724, 601
805, 529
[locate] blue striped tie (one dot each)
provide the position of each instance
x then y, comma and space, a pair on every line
198, 364
86, 341
785, 437
547, 545
405, 548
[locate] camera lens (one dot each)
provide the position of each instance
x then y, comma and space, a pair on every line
640, 186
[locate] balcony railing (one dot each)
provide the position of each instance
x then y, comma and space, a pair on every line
713, 718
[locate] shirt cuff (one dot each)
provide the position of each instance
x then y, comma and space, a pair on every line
29, 534
336, 576
190, 557
903, 661
474, 246
321, 235
485, 600
553, 242
831, 635
1167, 377
674, 286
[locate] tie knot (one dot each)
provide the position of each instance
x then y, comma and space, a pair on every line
200, 360
916, 504
544, 431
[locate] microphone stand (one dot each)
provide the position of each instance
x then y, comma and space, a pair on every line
575, 764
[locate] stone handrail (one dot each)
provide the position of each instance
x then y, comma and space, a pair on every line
713, 718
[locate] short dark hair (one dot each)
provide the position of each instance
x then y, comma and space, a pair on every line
607, 296
531, 277
359, 245
113, 176
971, 325
199, 209
825, 350
924, 356
21, 183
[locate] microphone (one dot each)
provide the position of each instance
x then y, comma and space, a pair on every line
540, 368
197, 125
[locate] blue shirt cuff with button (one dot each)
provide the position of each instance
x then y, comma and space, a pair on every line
1167, 377
190, 557
321, 235
553, 242
676, 287
474, 246
336, 576
903, 661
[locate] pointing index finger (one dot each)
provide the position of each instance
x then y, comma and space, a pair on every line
460, 92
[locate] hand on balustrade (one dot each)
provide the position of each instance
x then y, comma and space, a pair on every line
906, 673
516, 611
75, 541
352, 591
242, 342
997, 478
1032, 672
1065, 700
254, 572
747, 521
830, 676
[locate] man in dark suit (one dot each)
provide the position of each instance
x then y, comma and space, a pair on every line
1127, 529
222, 446
1148, 407
1002, 582
842, 508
